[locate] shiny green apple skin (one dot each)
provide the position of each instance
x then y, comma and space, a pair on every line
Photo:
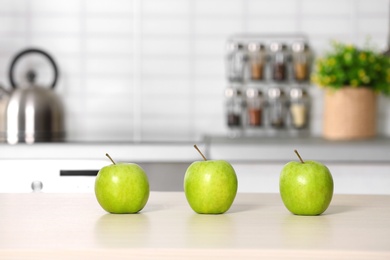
122, 188
210, 186
306, 188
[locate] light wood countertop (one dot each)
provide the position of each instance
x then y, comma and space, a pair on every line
73, 226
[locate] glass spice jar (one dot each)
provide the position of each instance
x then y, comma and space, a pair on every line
277, 108
279, 61
299, 108
254, 106
256, 60
234, 107
300, 61
236, 62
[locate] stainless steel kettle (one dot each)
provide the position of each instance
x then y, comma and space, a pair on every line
32, 113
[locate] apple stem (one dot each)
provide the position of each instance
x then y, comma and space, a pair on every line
109, 157
196, 147
300, 158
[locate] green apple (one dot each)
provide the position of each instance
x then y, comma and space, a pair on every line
122, 188
306, 187
210, 186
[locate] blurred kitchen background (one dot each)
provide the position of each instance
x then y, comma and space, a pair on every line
136, 72
154, 69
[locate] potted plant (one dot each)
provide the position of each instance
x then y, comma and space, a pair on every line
352, 78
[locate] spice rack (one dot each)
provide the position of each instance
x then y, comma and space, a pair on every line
268, 77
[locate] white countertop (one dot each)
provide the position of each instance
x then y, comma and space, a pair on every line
126, 151
313, 148
260, 149
258, 226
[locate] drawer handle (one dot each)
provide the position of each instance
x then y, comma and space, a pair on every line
69, 173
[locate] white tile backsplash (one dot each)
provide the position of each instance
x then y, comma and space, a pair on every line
327, 27
166, 26
12, 24
267, 8
53, 24
108, 66
167, 7
109, 26
372, 26
154, 47
106, 7
13, 6
100, 45
373, 7
51, 7
154, 69
272, 25
212, 26
324, 8
219, 7
65, 44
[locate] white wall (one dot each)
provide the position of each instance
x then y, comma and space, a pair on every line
153, 69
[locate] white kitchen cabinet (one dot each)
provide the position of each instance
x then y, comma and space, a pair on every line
18, 175
349, 178
22, 164
358, 167
262, 177
361, 167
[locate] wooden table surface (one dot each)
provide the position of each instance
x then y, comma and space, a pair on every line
73, 226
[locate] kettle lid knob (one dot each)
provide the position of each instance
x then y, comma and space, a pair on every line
31, 76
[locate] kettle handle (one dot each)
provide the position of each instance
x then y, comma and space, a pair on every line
27, 51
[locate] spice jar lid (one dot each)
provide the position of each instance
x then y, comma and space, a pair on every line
299, 47
232, 92
253, 93
232, 46
240, 46
297, 93
255, 46
275, 93
277, 46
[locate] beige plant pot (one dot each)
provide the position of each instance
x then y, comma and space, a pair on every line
349, 114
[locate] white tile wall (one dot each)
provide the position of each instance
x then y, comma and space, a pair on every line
153, 69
